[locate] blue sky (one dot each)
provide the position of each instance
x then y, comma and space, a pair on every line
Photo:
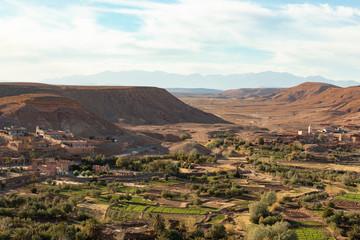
48, 39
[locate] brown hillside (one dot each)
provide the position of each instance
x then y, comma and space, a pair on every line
144, 105
302, 91
52, 111
249, 92
337, 99
139, 105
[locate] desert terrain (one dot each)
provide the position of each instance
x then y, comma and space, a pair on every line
138, 163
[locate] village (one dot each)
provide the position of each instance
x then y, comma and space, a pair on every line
216, 187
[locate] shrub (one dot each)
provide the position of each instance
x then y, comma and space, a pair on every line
328, 212
271, 220
198, 201
217, 231
269, 198
170, 234
258, 210
33, 190
197, 234
184, 136
329, 204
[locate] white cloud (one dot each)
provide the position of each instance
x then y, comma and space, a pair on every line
184, 37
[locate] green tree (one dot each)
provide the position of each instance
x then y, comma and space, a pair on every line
258, 210
278, 231
217, 231
158, 223
269, 198
260, 141
170, 234
93, 229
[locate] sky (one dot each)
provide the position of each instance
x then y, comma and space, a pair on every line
42, 39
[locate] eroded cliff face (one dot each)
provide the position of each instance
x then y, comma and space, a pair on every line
131, 105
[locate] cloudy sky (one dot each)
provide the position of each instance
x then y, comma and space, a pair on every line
43, 39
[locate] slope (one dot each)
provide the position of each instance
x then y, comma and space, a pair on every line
302, 91
138, 105
336, 99
249, 92
131, 105
52, 111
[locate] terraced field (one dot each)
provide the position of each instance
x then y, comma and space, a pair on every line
349, 197
311, 234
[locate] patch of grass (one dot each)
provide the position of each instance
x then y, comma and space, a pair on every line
217, 218
349, 196
309, 223
167, 183
140, 200
311, 234
205, 209
99, 201
175, 210
318, 211
74, 191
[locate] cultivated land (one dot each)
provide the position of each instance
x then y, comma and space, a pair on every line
255, 179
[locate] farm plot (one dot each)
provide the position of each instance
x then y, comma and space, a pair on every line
175, 210
312, 234
130, 207
349, 197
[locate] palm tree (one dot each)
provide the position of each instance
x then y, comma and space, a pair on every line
158, 224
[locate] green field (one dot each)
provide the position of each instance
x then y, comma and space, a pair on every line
349, 196
311, 234
175, 210
308, 223
217, 218
140, 200
130, 208
317, 211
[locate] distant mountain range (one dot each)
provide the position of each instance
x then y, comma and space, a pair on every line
170, 80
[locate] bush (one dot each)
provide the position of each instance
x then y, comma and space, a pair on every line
329, 204
76, 173
184, 136
198, 202
258, 210
271, 220
33, 190
197, 234
170, 234
217, 231
328, 212
269, 198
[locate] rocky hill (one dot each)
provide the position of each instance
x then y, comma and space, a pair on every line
138, 105
56, 112
249, 92
345, 100
302, 91
131, 105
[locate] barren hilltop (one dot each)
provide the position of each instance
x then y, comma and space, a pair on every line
52, 111
130, 105
302, 91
